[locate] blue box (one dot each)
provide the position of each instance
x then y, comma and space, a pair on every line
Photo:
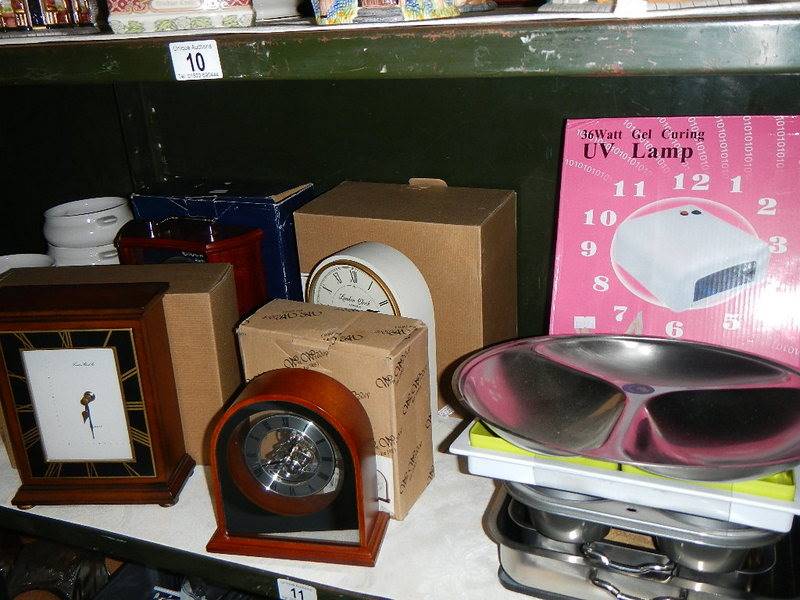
271, 210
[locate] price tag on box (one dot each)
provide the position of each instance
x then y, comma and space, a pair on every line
195, 60
682, 227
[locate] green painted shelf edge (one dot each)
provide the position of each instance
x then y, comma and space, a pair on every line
608, 48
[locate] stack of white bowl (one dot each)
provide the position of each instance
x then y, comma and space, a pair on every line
82, 232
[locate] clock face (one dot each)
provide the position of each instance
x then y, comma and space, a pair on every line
346, 284
290, 455
79, 404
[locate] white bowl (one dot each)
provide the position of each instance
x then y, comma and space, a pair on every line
96, 255
86, 223
10, 261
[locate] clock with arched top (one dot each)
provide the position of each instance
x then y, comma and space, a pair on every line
293, 472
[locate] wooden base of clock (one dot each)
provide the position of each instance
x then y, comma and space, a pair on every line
164, 493
362, 556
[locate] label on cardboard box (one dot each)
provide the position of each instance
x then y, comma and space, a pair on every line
682, 227
382, 359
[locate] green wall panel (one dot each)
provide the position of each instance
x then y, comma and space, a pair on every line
471, 132
56, 144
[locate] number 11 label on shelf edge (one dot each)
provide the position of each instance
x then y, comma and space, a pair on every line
195, 60
291, 590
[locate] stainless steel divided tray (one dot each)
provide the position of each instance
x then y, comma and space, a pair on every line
674, 408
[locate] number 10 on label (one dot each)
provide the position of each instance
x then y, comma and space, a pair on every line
195, 60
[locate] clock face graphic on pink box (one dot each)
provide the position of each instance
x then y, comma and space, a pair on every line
681, 227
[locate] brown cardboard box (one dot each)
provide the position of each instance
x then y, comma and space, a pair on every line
201, 314
463, 241
381, 359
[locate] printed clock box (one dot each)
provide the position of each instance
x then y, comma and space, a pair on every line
146, 16
269, 208
462, 240
682, 227
382, 359
201, 315
335, 12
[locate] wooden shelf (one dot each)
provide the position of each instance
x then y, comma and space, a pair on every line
473, 48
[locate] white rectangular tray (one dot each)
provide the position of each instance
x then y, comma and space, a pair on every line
668, 494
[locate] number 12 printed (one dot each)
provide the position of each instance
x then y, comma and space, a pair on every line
682, 227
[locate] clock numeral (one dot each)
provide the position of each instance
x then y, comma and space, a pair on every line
330, 291
769, 206
108, 338
130, 470
292, 492
16, 376
324, 476
66, 339
91, 470
337, 277
129, 373
23, 339
54, 470
370, 285
30, 437
353, 276
700, 182
134, 405
139, 436
325, 459
384, 303
25, 408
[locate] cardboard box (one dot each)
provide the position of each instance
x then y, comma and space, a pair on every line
681, 227
201, 315
462, 240
269, 209
382, 359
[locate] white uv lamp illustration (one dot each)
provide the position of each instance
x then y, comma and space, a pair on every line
687, 257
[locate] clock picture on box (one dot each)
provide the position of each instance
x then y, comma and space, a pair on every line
681, 227
89, 396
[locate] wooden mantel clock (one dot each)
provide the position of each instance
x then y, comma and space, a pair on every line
293, 472
88, 395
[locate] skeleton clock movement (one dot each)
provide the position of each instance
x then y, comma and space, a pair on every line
293, 472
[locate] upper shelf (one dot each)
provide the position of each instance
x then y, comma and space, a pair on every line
510, 46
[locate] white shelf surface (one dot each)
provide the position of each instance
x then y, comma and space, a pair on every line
440, 550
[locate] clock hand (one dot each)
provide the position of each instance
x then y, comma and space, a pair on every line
86, 414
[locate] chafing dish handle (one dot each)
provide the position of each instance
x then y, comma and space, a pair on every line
658, 571
618, 595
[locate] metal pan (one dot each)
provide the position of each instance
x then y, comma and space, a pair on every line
675, 408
